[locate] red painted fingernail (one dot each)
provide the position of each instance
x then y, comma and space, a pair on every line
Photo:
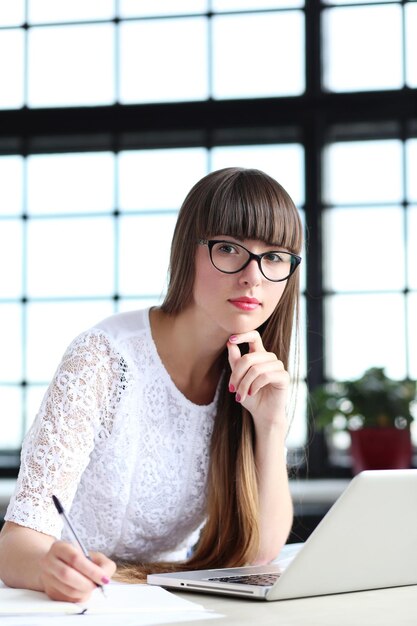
232, 337
237, 397
105, 580
249, 392
231, 388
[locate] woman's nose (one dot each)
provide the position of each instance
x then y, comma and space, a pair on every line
251, 274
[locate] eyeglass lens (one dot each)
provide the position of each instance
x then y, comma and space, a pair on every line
231, 257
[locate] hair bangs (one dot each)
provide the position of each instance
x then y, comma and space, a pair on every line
251, 205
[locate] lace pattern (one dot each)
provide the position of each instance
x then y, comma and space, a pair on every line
124, 450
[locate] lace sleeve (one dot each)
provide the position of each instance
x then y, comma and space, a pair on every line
76, 409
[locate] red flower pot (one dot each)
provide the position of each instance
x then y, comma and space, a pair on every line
380, 448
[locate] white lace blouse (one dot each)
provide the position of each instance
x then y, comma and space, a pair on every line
120, 445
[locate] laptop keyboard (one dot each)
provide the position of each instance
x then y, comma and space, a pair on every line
263, 580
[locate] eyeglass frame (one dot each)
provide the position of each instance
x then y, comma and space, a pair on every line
252, 257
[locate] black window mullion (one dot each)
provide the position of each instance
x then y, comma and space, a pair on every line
314, 140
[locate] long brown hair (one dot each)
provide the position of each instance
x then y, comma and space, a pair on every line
246, 204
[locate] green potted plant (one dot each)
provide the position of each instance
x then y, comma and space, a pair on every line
376, 411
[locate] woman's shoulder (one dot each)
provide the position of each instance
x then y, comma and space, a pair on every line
110, 337
122, 326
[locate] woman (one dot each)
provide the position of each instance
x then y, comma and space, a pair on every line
163, 431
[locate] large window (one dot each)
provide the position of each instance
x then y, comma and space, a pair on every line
369, 249
110, 111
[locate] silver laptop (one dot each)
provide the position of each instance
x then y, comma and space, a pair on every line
368, 540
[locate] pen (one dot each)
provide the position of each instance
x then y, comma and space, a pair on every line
70, 527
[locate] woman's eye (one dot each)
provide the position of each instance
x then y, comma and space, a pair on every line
227, 249
273, 257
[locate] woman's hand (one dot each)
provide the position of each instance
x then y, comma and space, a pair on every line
259, 380
261, 383
67, 575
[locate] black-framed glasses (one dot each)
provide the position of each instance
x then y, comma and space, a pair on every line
229, 257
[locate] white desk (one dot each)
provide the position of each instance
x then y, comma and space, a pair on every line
385, 607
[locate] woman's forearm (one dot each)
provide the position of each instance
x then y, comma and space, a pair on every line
32, 560
275, 502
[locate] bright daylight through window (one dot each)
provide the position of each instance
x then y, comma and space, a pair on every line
317, 94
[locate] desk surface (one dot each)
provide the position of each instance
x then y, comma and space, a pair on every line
385, 607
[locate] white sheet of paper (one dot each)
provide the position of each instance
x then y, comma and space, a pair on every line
128, 619
121, 599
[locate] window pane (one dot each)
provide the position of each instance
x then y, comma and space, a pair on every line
11, 68
11, 255
177, 70
12, 12
45, 11
71, 183
145, 244
158, 179
11, 363
359, 56
11, 185
138, 8
79, 72
412, 249
10, 417
411, 44
241, 5
258, 55
69, 257
411, 169
51, 326
364, 249
364, 331
412, 340
284, 162
363, 171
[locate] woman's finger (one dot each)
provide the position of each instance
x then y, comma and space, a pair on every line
241, 365
90, 570
234, 354
254, 340
270, 375
68, 573
104, 562
252, 337
259, 376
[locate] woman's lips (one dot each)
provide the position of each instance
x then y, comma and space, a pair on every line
245, 304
